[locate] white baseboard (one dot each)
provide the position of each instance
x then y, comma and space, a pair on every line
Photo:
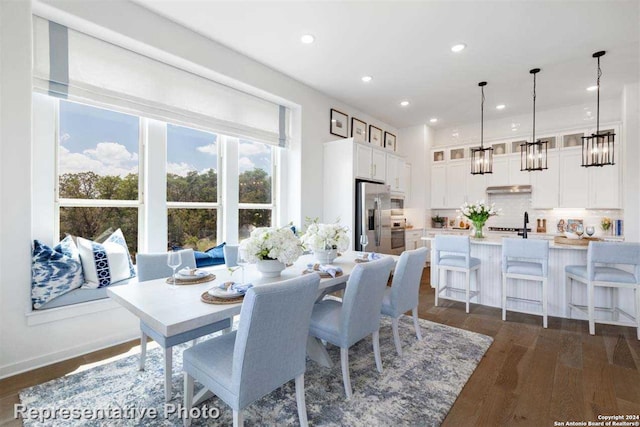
68, 353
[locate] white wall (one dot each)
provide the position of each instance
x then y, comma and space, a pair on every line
631, 159
415, 145
25, 345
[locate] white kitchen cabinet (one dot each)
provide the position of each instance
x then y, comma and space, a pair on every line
456, 184
516, 176
438, 186
395, 173
500, 175
574, 180
379, 165
370, 163
405, 182
413, 239
476, 188
604, 187
545, 184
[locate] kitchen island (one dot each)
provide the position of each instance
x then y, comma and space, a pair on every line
489, 251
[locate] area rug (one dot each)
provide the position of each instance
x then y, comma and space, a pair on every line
417, 389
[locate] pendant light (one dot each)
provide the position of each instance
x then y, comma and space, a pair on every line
533, 155
481, 158
598, 149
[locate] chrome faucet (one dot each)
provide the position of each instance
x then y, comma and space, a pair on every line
524, 230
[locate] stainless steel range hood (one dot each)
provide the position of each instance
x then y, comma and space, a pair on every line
509, 189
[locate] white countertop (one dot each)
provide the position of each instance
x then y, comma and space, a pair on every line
497, 241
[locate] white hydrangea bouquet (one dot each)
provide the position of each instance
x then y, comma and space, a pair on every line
325, 237
478, 213
267, 243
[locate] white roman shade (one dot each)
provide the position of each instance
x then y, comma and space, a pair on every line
74, 65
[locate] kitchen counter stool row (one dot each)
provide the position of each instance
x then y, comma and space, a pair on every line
612, 266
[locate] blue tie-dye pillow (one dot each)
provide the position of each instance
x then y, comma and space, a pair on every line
54, 271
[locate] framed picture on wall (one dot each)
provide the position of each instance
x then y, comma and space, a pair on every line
375, 136
338, 124
358, 130
390, 141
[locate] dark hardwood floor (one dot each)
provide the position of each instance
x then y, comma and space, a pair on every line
529, 376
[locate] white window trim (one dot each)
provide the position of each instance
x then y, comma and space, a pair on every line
100, 203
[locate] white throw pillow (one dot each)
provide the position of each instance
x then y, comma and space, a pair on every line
105, 263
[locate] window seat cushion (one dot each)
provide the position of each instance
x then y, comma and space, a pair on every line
80, 295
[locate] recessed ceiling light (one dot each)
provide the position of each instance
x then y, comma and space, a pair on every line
404, 103
434, 120
592, 88
500, 107
307, 39
458, 47
367, 79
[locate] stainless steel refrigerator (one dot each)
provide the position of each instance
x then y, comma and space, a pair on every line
373, 216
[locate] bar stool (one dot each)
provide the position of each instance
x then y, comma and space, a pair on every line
453, 253
594, 274
524, 259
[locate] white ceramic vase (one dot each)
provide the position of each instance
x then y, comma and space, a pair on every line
270, 267
325, 256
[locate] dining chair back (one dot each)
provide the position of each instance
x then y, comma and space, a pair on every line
403, 294
356, 316
268, 349
362, 300
230, 255
154, 265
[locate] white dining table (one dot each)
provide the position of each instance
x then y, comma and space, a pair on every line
172, 310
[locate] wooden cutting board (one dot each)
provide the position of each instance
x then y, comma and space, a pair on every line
561, 240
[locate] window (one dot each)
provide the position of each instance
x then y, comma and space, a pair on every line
256, 184
98, 172
192, 187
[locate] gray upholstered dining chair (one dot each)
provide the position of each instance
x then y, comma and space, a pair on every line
267, 350
402, 296
154, 266
357, 316
230, 255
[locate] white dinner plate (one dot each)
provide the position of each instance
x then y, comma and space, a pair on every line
186, 275
222, 293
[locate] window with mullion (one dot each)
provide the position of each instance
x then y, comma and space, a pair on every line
255, 186
192, 188
98, 172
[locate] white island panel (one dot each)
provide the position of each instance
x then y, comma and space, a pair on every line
489, 251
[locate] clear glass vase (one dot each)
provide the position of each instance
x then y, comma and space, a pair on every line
478, 229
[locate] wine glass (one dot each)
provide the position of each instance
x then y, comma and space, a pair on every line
364, 241
242, 262
174, 259
580, 230
590, 231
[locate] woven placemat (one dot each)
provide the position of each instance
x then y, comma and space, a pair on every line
210, 299
209, 277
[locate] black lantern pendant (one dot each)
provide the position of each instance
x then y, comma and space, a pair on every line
533, 155
481, 158
598, 149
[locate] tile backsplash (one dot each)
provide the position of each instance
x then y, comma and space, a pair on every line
514, 205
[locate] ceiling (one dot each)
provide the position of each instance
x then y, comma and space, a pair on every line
405, 46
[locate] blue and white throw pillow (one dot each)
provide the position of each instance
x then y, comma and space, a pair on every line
107, 262
54, 271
